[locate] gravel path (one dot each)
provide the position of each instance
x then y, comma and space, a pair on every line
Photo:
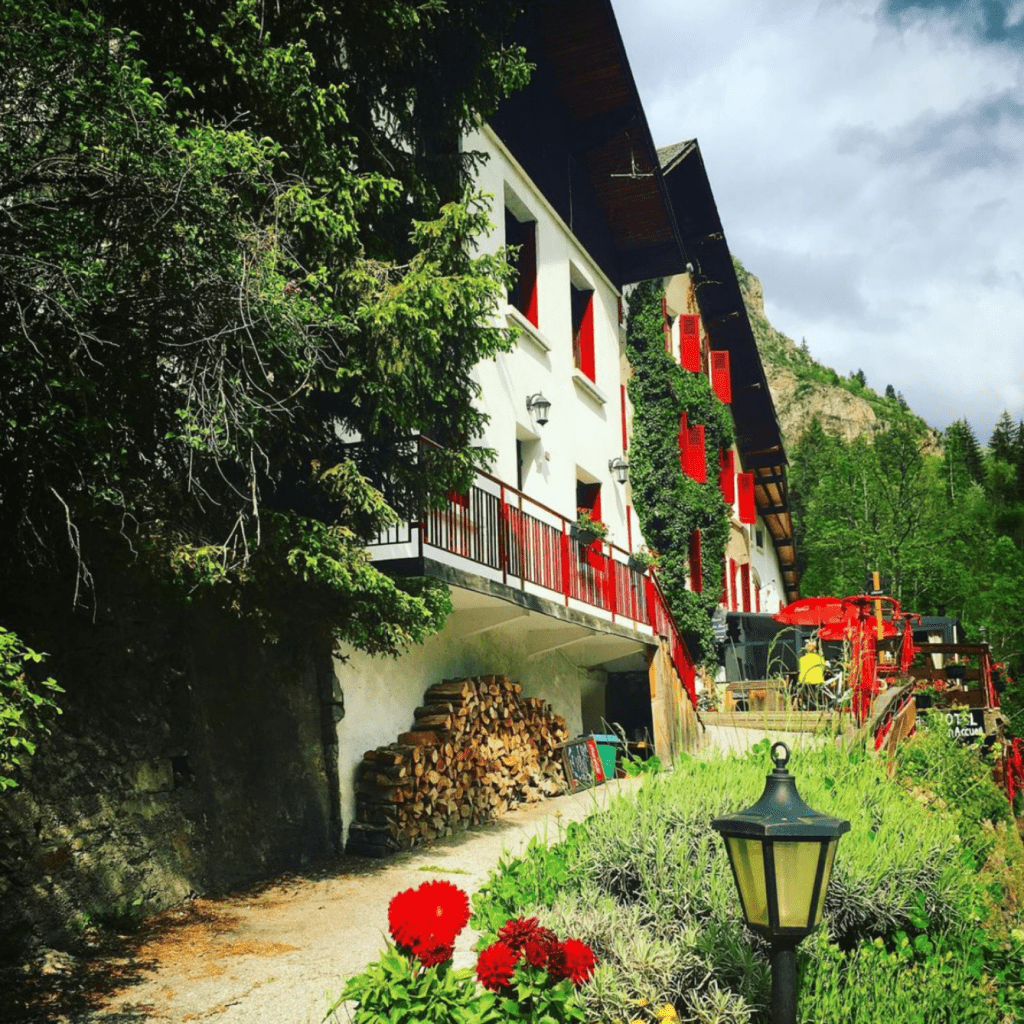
274, 954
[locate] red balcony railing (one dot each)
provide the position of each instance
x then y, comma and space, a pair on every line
504, 530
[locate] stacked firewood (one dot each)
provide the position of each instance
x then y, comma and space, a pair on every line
477, 749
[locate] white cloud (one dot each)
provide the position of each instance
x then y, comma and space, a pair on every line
867, 168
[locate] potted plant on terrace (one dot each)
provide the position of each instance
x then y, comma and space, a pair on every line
587, 529
642, 560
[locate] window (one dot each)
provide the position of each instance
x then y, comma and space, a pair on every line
727, 475
588, 496
692, 458
721, 378
521, 232
696, 563
689, 342
583, 329
759, 539
747, 506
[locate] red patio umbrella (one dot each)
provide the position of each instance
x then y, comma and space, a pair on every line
811, 611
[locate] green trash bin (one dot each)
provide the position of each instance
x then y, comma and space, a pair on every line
607, 748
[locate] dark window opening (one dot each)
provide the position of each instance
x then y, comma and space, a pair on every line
522, 293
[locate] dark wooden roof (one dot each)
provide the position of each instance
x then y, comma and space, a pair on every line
758, 435
579, 131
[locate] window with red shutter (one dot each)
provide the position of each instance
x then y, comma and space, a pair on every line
732, 584
697, 462
721, 378
727, 475
583, 330
522, 293
747, 506
689, 342
696, 563
745, 585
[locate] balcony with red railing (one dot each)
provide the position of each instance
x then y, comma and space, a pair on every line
499, 533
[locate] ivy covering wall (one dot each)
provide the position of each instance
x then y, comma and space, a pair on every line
669, 504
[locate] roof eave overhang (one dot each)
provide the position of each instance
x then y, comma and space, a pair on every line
584, 74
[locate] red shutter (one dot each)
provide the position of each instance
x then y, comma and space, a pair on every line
586, 339
696, 563
757, 598
689, 342
528, 269
745, 584
727, 475
732, 584
748, 508
697, 460
684, 444
721, 379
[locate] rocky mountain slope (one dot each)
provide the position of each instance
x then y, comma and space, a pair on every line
802, 388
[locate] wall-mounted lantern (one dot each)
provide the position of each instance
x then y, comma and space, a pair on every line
619, 469
537, 406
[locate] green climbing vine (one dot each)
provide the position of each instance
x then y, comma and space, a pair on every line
670, 504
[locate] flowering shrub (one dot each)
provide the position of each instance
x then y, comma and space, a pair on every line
527, 974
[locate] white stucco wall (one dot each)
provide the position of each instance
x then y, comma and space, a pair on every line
766, 563
381, 693
585, 427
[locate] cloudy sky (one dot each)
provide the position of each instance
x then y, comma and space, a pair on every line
867, 158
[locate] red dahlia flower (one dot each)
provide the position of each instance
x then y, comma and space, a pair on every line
496, 965
578, 961
537, 951
515, 934
426, 921
403, 918
435, 956
445, 910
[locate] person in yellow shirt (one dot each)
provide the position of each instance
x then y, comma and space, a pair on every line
811, 675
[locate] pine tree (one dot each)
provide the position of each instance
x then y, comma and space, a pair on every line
1003, 442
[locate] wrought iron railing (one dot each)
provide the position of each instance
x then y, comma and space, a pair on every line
501, 528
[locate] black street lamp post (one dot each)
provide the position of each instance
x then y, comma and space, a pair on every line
781, 852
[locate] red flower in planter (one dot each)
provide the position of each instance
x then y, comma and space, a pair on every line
426, 921
496, 965
571, 959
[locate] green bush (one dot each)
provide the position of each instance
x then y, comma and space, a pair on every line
874, 983
647, 884
955, 773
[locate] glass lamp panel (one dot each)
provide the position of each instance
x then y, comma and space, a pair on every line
748, 864
796, 866
830, 855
